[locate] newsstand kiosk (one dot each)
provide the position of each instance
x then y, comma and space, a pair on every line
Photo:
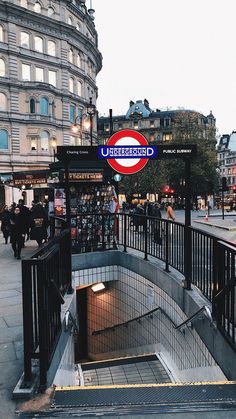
81, 189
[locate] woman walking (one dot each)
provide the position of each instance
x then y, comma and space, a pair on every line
5, 223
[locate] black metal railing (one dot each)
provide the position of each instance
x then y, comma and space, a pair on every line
46, 277
202, 258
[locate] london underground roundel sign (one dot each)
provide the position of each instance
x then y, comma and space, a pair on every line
127, 152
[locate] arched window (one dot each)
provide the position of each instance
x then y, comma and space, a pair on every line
79, 88
37, 7
78, 61
69, 20
71, 85
38, 44
52, 48
32, 105
3, 102
44, 140
3, 139
44, 106
50, 12
71, 56
24, 39
1, 34
24, 3
2, 68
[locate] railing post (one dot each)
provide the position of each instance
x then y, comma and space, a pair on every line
145, 239
125, 232
43, 324
103, 234
215, 274
187, 257
27, 319
167, 246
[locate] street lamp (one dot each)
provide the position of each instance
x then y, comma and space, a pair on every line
91, 109
80, 122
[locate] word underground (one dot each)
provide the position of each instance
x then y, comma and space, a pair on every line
127, 152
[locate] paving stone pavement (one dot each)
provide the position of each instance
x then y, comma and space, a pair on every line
11, 325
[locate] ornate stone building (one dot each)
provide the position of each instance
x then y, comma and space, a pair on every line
156, 125
49, 60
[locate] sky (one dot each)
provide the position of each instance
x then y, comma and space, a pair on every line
174, 53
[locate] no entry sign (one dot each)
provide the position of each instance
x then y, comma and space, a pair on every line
127, 152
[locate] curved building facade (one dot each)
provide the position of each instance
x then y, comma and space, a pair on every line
49, 60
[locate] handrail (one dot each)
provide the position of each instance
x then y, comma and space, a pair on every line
149, 313
195, 315
57, 292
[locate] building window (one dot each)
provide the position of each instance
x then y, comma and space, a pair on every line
72, 113
78, 61
52, 77
69, 20
37, 7
78, 27
38, 44
26, 72
167, 122
50, 12
33, 143
167, 137
2, 68
52, 48
135, 124
3, 102
71, 85
71, 56
44, 141
39, 74
24, 39
79, 88
3, 139
44, 106
24, 3
32, 105
151, 124
1, 34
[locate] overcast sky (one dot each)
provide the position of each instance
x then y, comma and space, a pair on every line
174, 53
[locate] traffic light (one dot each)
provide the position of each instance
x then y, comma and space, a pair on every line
224, 184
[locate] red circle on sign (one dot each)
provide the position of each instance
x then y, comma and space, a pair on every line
139, 139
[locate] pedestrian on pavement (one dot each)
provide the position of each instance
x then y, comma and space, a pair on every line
138, 217
5, 223
170, 212
38, 224
156, 212
17, 232
25, 211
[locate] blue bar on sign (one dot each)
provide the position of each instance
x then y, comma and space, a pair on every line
127, 152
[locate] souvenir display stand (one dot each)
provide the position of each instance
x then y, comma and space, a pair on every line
90, 190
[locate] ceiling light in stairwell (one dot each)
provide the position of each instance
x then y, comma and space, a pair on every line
98, 287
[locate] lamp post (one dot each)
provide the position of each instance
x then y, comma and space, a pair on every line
91, 110
80, 122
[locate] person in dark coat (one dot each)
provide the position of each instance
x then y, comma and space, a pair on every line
156, 213
5, 223
17, 232
38, 224
138, 217
26, 217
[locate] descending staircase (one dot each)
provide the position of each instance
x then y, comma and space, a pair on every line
138, 387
